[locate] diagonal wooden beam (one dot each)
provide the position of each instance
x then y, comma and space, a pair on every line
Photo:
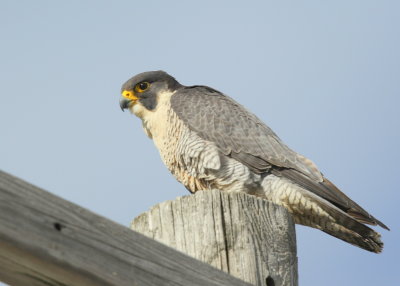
45, 240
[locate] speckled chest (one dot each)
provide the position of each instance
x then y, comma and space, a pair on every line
172, 139
195, 162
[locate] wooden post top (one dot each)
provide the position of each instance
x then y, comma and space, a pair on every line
246, 236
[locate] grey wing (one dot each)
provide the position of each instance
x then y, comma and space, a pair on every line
240, 134
236, 131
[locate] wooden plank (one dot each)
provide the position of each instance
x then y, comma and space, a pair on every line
45, 240
244, 235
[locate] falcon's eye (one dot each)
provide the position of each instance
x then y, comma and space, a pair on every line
142, 86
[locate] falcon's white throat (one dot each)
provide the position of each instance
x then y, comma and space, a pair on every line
153, 121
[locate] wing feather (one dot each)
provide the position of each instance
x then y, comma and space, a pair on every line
218, 118
240, 134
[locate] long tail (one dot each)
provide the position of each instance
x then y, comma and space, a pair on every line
343, 226
311, 210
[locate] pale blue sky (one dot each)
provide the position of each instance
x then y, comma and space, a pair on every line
324, 76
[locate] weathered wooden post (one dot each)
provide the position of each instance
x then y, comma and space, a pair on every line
246, 236
48, 241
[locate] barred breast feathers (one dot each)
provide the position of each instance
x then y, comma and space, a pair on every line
195, 162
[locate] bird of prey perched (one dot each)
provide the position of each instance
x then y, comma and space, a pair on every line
209, 141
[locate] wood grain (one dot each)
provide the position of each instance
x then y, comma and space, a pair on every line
45, 240
246, 236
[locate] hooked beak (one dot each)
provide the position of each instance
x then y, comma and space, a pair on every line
124, 103
127, 98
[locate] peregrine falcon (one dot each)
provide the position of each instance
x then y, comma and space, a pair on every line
209, 141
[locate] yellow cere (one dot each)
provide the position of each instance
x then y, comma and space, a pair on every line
129, 95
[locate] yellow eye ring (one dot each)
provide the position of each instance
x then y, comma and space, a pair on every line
142, 86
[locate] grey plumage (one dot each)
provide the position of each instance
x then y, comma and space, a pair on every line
207, 140
237, 132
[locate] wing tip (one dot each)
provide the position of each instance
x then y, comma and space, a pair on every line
354, 210
367, 219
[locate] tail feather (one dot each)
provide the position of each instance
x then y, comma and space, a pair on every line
371, 242
346, 228
327, 191
313, 210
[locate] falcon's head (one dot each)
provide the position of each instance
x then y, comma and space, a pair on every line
143, 90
